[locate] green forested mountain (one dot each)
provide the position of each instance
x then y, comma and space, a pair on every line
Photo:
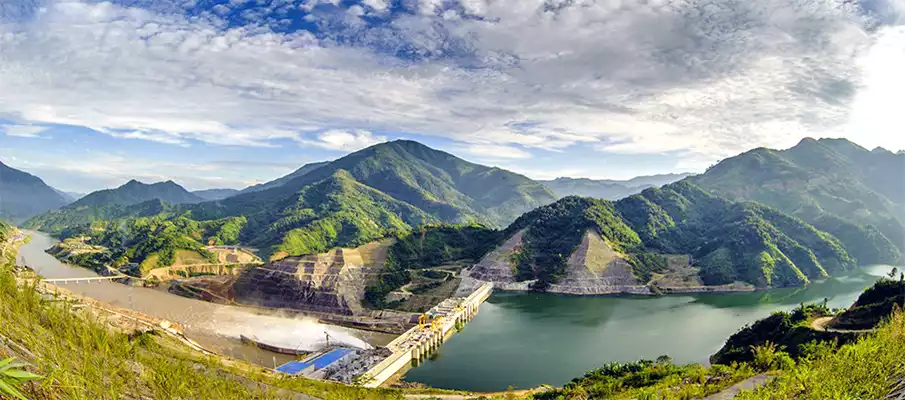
608, 189
370, 193
729, 241
438, 183
363, 196
135, 192
23, 195
837, 186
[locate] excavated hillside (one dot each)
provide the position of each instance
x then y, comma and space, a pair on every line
331, 282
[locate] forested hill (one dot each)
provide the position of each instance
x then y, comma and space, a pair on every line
363, 196
23, 195
729, 241
133, 199
135, 192
856, 194
438, 183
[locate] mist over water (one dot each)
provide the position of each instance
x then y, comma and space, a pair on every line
293, 333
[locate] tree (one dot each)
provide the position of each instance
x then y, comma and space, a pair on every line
892, 274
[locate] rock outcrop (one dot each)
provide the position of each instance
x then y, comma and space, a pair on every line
331, 282
595, 268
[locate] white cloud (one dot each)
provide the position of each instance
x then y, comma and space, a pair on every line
377, 5
344, 140
28, 131
495, 152
694, 77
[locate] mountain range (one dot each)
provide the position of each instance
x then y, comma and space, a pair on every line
609, 189
766, 217
858, 195
386, 188
23, 195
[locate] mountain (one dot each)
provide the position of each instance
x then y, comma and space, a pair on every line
839, 187
215, 194
442, 185
678, 237
282, 180
609, 189
366, 195
23, 195
135, 192
132, 199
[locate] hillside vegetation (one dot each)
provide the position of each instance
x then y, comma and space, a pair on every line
137, 245
837, 186
874, 305
431, 246
729, 241
376, 192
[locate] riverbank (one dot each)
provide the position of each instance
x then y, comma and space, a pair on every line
214, 326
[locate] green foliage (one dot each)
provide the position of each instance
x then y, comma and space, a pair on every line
789, 331
647, 379
840, 188
553, 232
12, 374
866, 369
432, 246
876, 304
136, 240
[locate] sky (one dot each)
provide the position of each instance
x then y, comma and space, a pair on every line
228, 93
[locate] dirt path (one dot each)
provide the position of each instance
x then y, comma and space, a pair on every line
751, 383
820, 324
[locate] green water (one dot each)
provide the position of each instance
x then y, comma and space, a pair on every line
527, 339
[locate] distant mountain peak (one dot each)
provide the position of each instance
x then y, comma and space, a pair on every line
135, 192
23, 195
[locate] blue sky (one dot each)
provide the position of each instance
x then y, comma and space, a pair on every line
229, 93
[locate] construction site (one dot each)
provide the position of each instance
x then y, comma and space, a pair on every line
375, 367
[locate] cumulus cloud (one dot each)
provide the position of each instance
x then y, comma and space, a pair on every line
694, 77
343, 140
28, 131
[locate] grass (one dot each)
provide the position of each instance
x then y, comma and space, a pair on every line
862, 370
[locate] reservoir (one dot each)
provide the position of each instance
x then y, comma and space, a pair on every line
524, 340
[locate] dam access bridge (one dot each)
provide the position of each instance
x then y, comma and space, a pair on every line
425, 338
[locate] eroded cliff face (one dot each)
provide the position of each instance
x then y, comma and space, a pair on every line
331, 282
595, 268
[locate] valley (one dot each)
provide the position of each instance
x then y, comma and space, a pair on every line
379, 261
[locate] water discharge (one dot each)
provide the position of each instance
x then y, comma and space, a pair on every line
292, 333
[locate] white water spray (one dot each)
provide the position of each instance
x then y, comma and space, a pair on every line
292, 333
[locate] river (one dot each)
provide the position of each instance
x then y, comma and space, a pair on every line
528, 339
214, 326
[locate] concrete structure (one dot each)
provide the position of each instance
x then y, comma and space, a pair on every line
419, 342
87, 280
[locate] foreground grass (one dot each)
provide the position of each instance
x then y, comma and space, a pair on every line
862, 370
82, 357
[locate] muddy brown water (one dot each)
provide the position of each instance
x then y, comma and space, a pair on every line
214, 326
